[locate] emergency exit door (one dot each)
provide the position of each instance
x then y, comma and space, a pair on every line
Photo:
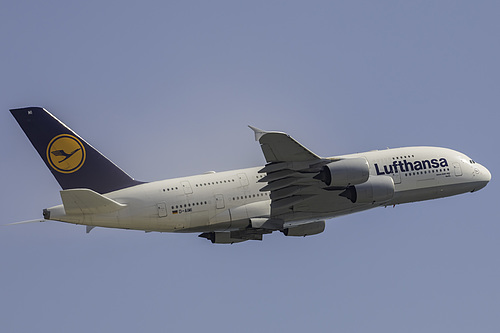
162, 209
458, 169
219, 201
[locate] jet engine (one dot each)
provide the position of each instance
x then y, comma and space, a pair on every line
376, 189
342, 173
307, 229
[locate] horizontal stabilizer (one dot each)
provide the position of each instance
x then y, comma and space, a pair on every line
25, 222
85, 201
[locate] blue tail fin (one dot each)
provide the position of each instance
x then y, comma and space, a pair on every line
73, 162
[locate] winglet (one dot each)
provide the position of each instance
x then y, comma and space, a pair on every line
281, 147
258, 132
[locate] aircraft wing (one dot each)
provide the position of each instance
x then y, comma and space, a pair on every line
281, 147
291, 170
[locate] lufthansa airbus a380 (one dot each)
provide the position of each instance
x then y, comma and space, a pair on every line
295, 192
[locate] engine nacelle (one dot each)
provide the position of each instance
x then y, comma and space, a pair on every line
342, 173
376, 189
307, 229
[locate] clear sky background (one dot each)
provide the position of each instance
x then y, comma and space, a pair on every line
166, 89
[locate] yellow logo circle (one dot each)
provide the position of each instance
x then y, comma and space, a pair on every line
65, 153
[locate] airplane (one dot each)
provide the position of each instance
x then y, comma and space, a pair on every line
294, 193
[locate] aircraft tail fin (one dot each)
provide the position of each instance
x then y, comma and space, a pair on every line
73, 162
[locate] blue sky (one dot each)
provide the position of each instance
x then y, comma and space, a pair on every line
166, 89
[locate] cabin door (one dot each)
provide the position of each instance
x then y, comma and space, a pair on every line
219, 201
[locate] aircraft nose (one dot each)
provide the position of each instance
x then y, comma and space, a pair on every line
483, 177
486, 174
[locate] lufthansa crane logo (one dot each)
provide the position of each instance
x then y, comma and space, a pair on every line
65, 153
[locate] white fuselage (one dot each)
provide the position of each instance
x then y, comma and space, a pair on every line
229, 200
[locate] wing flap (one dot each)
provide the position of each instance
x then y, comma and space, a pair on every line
280, 175
285, 203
